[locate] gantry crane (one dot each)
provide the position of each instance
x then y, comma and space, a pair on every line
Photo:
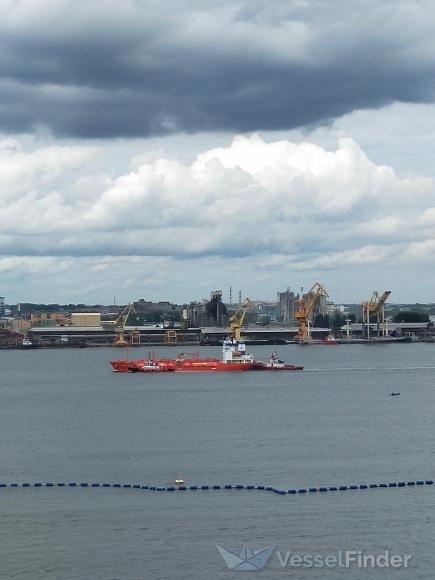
305, 310
236, 320
375, 307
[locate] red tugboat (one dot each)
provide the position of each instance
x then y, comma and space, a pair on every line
275, 364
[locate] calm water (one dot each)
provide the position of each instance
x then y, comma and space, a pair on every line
64, 416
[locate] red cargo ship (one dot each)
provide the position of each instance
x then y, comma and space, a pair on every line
234, 359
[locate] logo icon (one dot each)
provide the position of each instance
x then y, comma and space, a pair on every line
247, 560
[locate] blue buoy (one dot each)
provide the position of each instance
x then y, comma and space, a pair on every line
373, 485
205, 487
302, 490
14, 484
170, 489
216, 487
342, 487
323, 489
392, 484
136, 486
383, 485
193, 487
429, 482
26, 484
126, 485
182, 488
106, 484
72, 484
363, 486
411, 482
312, 489
238, 486
144, 486
226, 486
84, 484
419, 482
116, 485
37, 484
3, 484
401, 484
95, 485
269, 488
49, 484
353, 487
333, 488
60, 484
292, 491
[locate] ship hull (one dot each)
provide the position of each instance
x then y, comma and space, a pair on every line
192, 366
181, 366
260, 366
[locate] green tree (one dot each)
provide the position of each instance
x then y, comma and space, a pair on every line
411, 316
321, 321
338, 320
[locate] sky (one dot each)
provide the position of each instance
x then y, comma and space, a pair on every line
166, 149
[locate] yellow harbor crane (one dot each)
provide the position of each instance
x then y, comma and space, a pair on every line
375, 307
305, 309
236, 320
121, 323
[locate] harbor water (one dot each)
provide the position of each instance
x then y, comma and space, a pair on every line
66, 417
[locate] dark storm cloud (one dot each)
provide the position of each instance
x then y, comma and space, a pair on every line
137, 68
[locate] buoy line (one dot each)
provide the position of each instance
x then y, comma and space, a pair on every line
224, 487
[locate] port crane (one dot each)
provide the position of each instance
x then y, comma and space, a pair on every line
305, 309
121, 323
236, 320
375, 307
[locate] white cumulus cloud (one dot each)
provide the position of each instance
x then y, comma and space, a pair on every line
275, 203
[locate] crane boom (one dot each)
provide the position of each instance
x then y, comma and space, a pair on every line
305, 309
375, 306
122, 319
121, 323
236, 320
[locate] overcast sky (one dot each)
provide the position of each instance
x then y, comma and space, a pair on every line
164, 149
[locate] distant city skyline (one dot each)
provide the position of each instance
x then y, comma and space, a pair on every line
163, 150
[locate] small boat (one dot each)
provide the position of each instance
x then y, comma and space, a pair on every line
179, 481
393, 394
330, 340
276, 364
